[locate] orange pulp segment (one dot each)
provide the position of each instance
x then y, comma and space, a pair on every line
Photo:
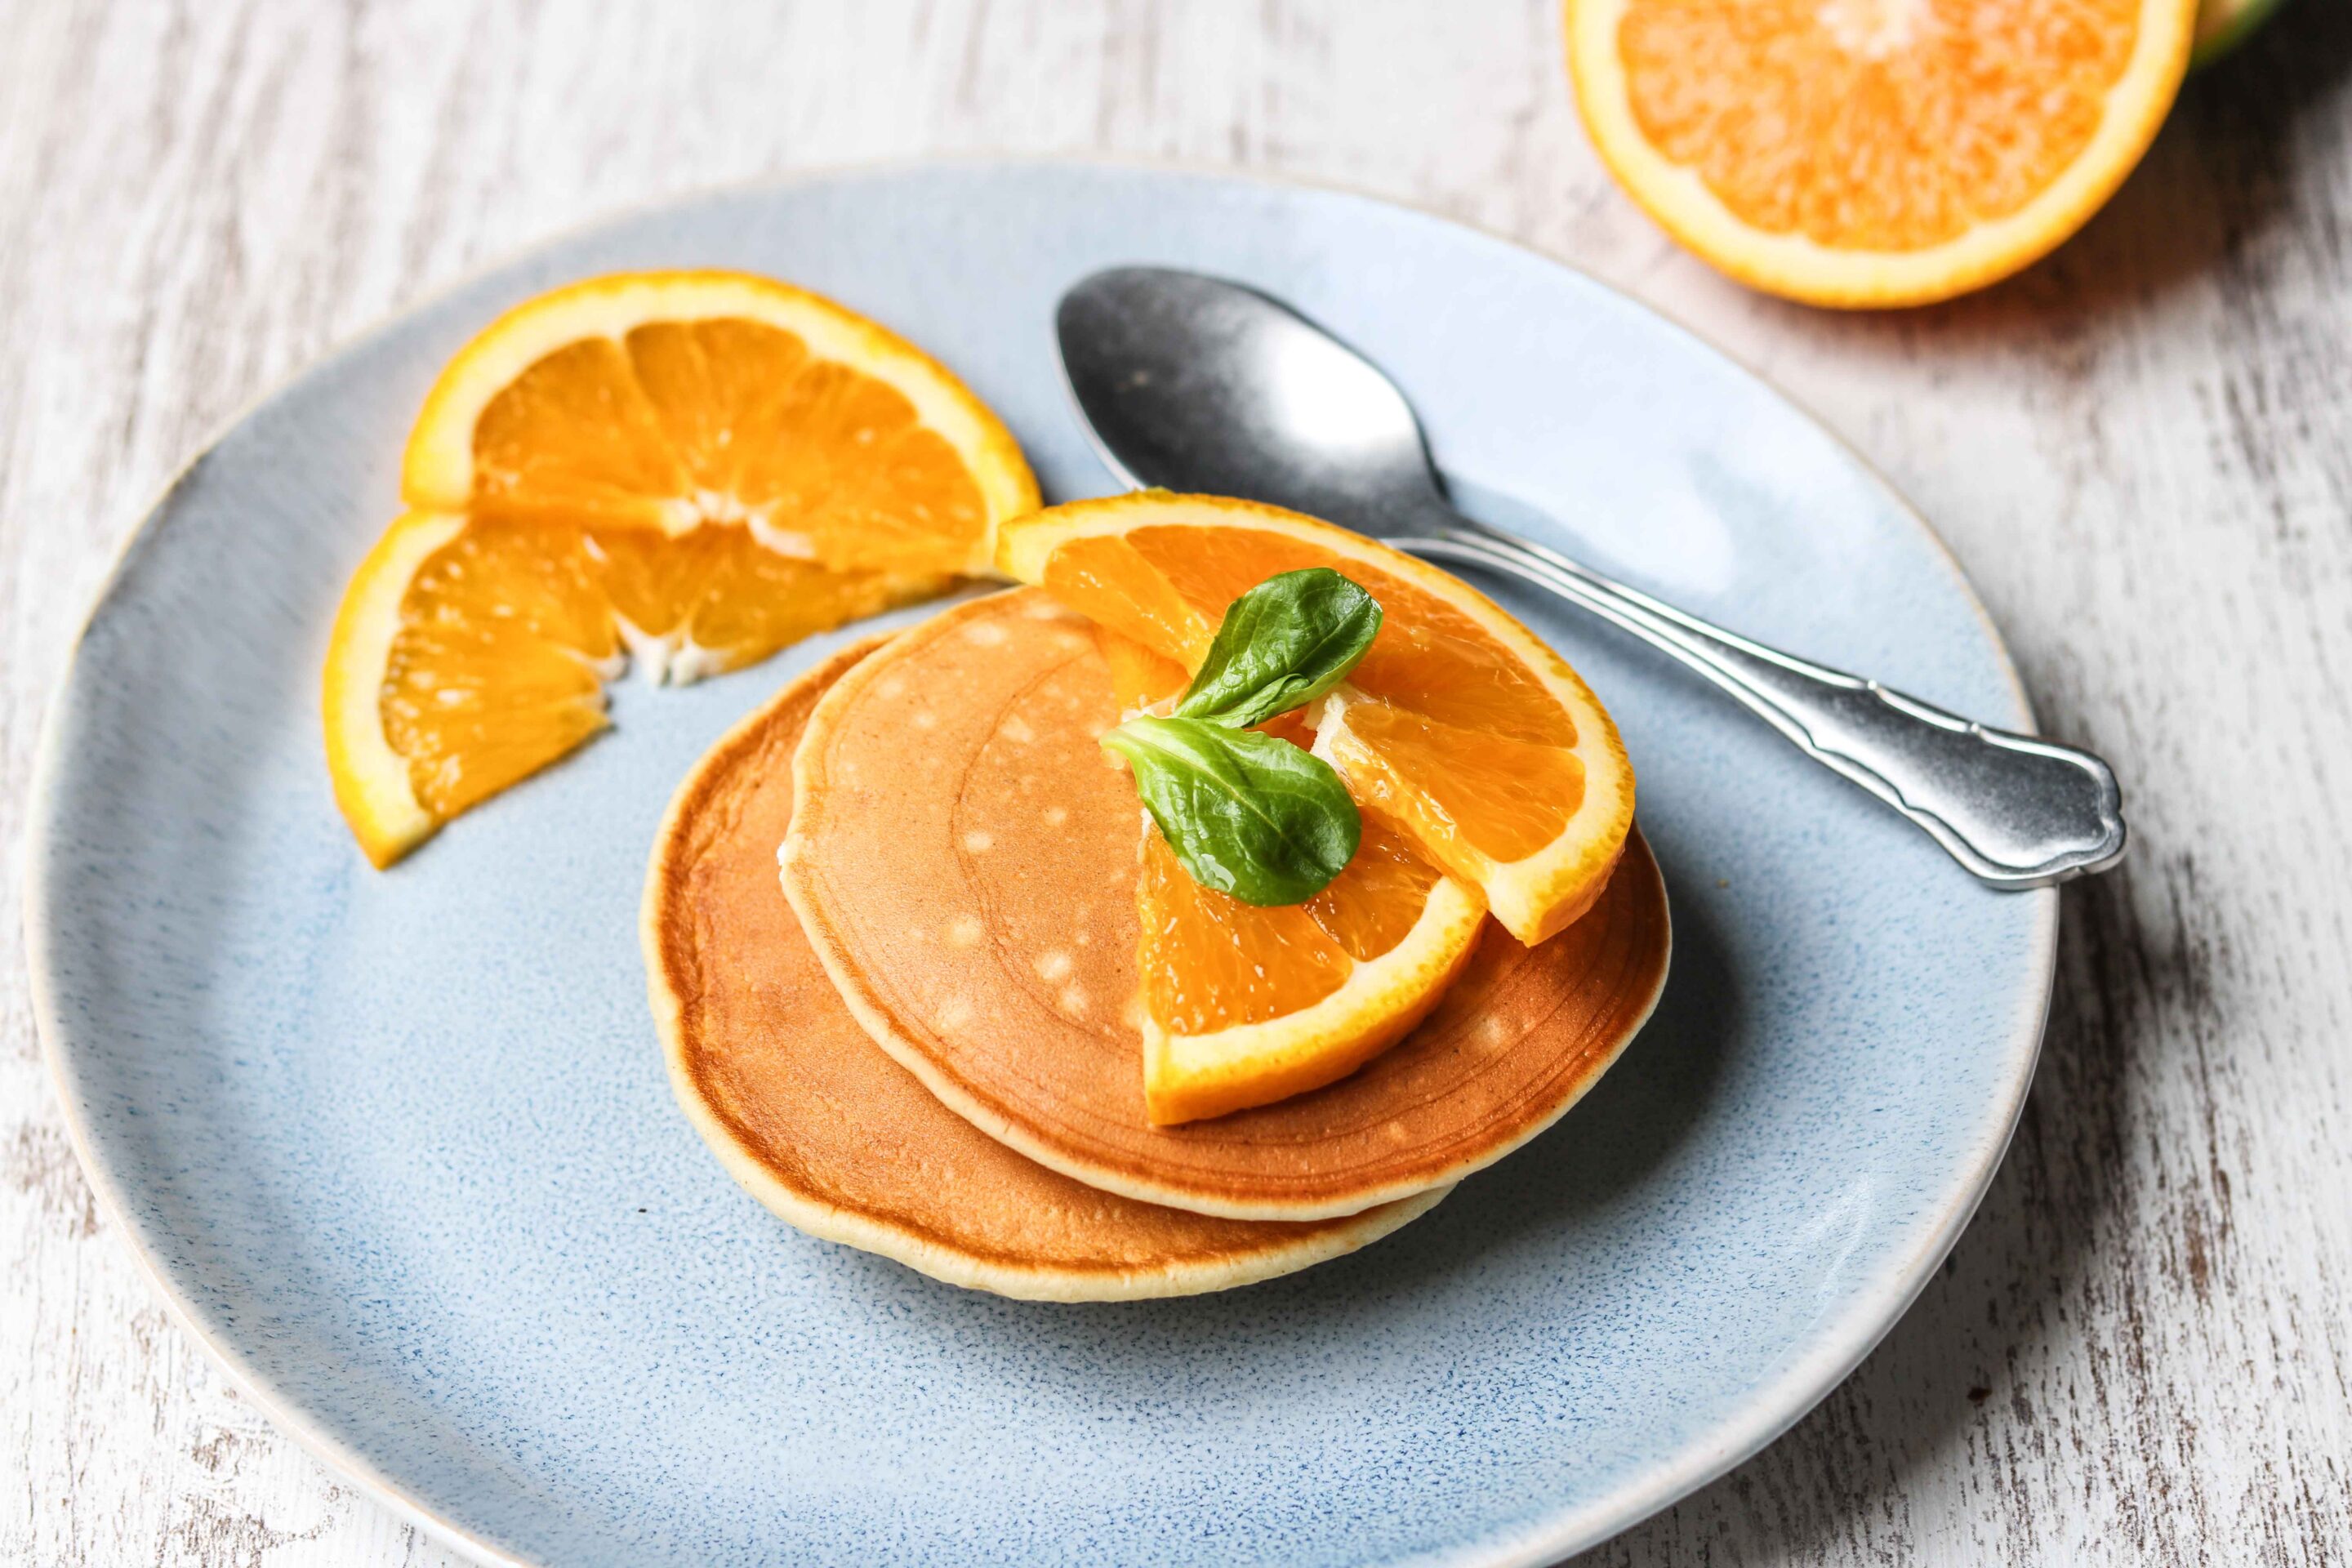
667, 400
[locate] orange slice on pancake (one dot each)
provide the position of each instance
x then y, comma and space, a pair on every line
1245, 1005
840, 1140
689, 470
963, 860
1460, 727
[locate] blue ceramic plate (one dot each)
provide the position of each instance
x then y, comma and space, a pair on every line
400, 1150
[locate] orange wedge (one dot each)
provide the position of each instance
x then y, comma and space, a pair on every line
1459, 729
1245, 1005
691, 469
1875, 153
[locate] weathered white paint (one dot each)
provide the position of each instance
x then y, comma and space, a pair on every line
2142, 450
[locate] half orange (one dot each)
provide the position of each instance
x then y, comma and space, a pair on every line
1871, 152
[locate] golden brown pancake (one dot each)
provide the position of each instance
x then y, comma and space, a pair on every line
963, 859
842, 1141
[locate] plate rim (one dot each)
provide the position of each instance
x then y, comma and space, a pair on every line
1767, 1412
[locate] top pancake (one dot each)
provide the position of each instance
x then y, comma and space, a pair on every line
841, 1140
963, 858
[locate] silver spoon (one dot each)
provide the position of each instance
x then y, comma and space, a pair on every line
1190, 382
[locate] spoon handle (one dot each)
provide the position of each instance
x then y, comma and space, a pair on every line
2016, 811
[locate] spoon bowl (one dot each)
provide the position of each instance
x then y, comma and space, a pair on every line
1190, 382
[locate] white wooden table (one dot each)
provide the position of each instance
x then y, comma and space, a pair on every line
2142, 450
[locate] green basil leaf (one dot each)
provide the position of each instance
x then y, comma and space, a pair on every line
1247, 814
1281, 646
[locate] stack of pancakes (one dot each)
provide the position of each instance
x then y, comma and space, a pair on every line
925, 1042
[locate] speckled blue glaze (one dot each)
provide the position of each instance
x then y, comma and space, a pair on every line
400, 1150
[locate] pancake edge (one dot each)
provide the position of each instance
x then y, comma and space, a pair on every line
850, 1227
866, 1007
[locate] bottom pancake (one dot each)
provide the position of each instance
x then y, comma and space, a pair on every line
837, 1138
964, 860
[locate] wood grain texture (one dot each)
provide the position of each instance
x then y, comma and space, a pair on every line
2142, 450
